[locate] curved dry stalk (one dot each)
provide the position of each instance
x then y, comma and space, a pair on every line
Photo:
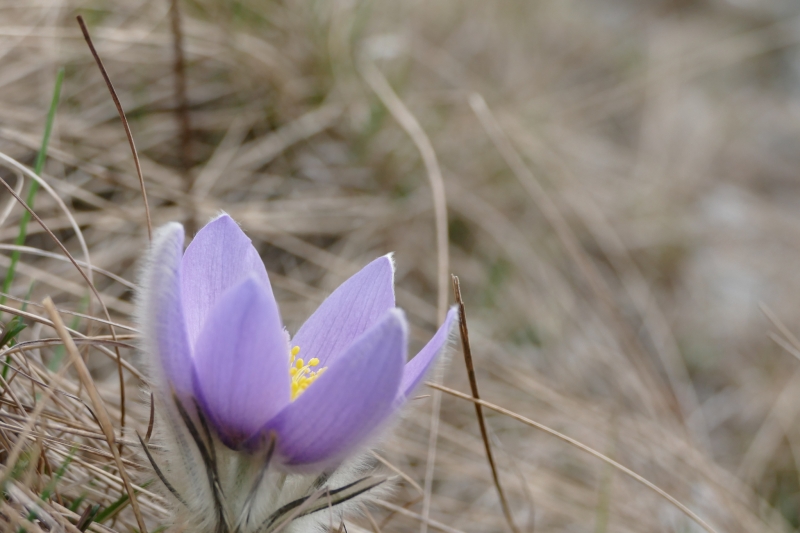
583, 447
46, 186
51, 255
30, 303
409, 123
124, 120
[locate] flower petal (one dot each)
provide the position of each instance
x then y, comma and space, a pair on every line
242, 363
219, 257
161, 313
348, 312
349, 401
416, 369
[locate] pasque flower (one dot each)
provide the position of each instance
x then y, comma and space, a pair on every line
214, 329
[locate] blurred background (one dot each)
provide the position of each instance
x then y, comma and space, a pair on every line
622, 207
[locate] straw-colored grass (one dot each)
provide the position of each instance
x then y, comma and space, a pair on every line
621, 198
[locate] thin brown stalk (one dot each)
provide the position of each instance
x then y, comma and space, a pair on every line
583, 447
124, 120
84, 519
182, 101
473, 384
181, 96
99, 406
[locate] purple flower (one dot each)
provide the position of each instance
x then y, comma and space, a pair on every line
212, 323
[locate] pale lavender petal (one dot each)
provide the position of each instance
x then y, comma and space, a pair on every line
161, 313
416, 369
345, 405
242, 363
219, 257
348, 312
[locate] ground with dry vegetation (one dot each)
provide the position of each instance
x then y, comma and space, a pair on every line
622, 205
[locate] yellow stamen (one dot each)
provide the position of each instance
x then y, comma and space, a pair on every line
301, 374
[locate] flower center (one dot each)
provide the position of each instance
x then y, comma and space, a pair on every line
301, 373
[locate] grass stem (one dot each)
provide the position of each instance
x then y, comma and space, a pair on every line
41, 157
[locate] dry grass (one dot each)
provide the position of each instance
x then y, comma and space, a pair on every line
621, 188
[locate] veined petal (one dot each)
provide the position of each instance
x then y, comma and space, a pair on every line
349, 401
348, 312
160, 312
416, 369
242, 363
219, 257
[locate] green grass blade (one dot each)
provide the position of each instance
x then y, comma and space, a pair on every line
10, 340
39, 165
51, 486
106, 513
117, 506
